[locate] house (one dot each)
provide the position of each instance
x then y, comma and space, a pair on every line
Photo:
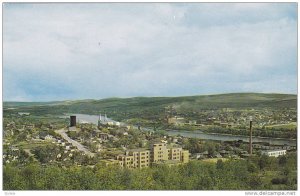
45, 136
176, 120
49, 137
164, 141
205, 154
198, 155
192, 122
224, 153
217, 155
103, 136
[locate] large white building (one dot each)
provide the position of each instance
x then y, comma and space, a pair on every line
274, 153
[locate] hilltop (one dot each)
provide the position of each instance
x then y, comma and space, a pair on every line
135, 106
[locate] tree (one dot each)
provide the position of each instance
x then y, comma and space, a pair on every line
282, 160
263, 161
255, 182
211, 149
252, 167
142, 180
220, 164
12, 180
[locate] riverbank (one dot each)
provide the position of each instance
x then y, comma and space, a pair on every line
227, 137
207, 136
227, 134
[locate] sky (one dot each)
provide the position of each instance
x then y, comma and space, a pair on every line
62, 51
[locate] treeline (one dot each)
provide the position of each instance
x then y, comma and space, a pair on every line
262, 132
288, 133
259, 173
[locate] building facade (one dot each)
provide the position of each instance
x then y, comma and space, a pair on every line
274, 153
135, 158
159, 153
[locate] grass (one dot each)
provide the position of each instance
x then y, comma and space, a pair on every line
292, 125
26, 145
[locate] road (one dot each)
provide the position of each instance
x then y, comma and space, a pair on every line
80, 147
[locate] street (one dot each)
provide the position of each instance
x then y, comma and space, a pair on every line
80, 147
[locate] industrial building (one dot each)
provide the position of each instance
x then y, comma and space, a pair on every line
72, 121
274, 153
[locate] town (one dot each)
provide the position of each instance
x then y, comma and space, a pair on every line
112, 142
229, 138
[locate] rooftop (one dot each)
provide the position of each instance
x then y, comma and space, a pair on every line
138, 150
278, 150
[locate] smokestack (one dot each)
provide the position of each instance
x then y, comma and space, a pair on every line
250, 138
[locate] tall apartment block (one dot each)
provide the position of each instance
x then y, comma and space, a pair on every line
159, 153
135, 158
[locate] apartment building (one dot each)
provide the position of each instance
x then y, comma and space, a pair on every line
135, 158
159, 152
139, 158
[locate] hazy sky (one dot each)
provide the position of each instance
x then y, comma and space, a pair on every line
93, 51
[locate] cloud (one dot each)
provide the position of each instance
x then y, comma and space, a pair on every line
76, 51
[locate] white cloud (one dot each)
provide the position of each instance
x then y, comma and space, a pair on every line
145, 50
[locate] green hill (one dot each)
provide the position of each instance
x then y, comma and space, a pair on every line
152, 106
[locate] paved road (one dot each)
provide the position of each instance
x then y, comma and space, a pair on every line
80, 147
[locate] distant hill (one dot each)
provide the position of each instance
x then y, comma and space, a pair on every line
140, 105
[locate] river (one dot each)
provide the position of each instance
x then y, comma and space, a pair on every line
199, 134
223, 137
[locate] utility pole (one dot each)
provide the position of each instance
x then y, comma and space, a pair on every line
250, 138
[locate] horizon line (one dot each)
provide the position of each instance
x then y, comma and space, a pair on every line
94, 99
